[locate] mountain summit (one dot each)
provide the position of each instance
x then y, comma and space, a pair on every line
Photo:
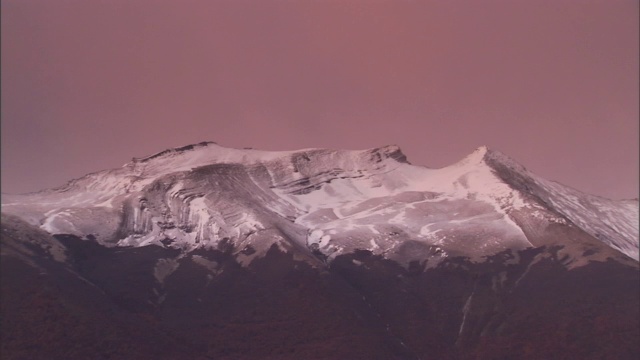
207, 252
328, 201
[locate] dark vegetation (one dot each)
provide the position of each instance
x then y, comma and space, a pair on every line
50, 313
106, 303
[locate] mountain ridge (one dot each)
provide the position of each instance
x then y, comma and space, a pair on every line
360, 192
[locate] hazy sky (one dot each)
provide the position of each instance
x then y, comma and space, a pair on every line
89, 84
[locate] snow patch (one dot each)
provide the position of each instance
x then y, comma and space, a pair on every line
210, 265
164, 268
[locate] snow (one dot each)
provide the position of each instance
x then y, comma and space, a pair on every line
164, 268
344, 200
465, 311
613, 222
59, 222
427, 230
199, 215
319, 238
210, 265
211, 153
395, 193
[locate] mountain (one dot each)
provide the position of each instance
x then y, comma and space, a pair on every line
336, 201
244, 254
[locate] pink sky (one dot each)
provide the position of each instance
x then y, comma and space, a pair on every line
88, 84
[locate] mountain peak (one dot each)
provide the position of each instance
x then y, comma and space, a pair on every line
487, 156
477, 157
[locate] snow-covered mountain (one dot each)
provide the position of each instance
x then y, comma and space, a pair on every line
331, 202
206, 252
